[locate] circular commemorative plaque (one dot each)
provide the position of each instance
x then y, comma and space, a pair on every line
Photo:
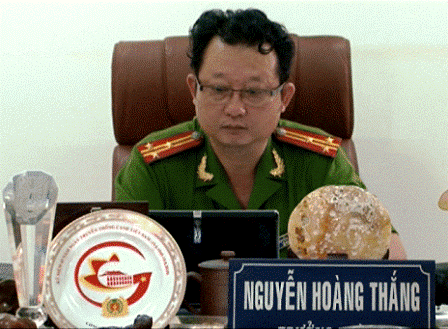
109, 266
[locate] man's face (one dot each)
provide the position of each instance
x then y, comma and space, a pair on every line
236, 121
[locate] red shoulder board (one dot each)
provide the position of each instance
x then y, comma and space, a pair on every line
165, 147
311, 141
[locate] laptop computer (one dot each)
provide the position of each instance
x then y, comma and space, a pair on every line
202, 235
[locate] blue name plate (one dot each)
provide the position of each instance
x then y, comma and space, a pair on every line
293, 293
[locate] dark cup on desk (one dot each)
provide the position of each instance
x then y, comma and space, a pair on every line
213, 280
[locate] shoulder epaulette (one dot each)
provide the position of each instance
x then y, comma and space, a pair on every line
325, 145
166, 147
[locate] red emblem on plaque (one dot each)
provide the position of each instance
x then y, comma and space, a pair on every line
111, 282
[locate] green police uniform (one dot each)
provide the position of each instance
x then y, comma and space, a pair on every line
184, 173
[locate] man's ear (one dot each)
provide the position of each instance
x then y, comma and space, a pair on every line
287, 93
192, 84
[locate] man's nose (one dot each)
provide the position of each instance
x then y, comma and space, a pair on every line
235, 105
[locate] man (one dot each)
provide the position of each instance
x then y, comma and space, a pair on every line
237, 153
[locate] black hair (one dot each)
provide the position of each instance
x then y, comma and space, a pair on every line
250, 27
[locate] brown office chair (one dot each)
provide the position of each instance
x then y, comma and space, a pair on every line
149, 90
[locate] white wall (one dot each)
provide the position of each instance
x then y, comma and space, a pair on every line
55, 112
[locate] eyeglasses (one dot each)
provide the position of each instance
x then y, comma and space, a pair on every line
250, 97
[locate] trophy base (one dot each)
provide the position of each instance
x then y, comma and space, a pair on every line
35, 314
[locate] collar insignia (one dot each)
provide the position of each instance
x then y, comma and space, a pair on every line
280, 169
202, 174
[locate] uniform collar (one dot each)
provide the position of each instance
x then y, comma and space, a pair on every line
218, 188
266, 184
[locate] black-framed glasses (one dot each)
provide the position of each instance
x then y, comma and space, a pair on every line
251, 96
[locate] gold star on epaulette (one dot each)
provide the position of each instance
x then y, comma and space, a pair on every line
166, 147
311, 141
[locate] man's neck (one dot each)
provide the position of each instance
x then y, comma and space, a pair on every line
240, 164
239, 159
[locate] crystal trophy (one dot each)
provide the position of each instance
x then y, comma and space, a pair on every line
29, 205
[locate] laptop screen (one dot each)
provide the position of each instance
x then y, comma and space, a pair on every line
202, 235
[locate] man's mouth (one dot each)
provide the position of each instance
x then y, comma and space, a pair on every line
233, 127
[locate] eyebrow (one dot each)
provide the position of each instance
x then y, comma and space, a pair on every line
251, 79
